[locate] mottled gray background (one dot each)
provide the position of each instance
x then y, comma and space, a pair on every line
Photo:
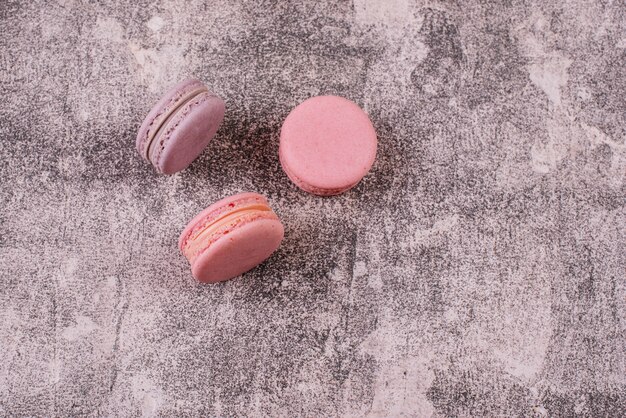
478, 270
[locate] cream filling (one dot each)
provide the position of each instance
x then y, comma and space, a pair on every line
151, 143
200, 239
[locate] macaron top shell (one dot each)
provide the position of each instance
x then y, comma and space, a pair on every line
230, 237
327, 145
216, 211
180, 126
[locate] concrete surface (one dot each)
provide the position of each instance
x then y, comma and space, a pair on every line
479, 270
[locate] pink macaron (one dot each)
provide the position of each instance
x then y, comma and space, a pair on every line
180, 126
231, 237
327, 145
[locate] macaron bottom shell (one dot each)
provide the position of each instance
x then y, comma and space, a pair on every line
238, 251
307, 187
185, 140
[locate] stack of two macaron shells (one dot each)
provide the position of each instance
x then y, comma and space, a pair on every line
327, 145
180, 126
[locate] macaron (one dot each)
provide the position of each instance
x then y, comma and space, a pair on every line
327, 145
231, 237
180, 126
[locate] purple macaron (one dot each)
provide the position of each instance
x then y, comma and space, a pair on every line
180, 126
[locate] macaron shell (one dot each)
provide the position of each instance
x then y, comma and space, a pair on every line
189, 133
328, 143
307, 187
163, 107
238, 251
219, 208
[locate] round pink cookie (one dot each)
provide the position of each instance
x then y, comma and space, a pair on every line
180, 126
327, 145
231, 237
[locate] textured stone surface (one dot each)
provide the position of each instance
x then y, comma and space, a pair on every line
479, 269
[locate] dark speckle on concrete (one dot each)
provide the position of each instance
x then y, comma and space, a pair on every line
478, 270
